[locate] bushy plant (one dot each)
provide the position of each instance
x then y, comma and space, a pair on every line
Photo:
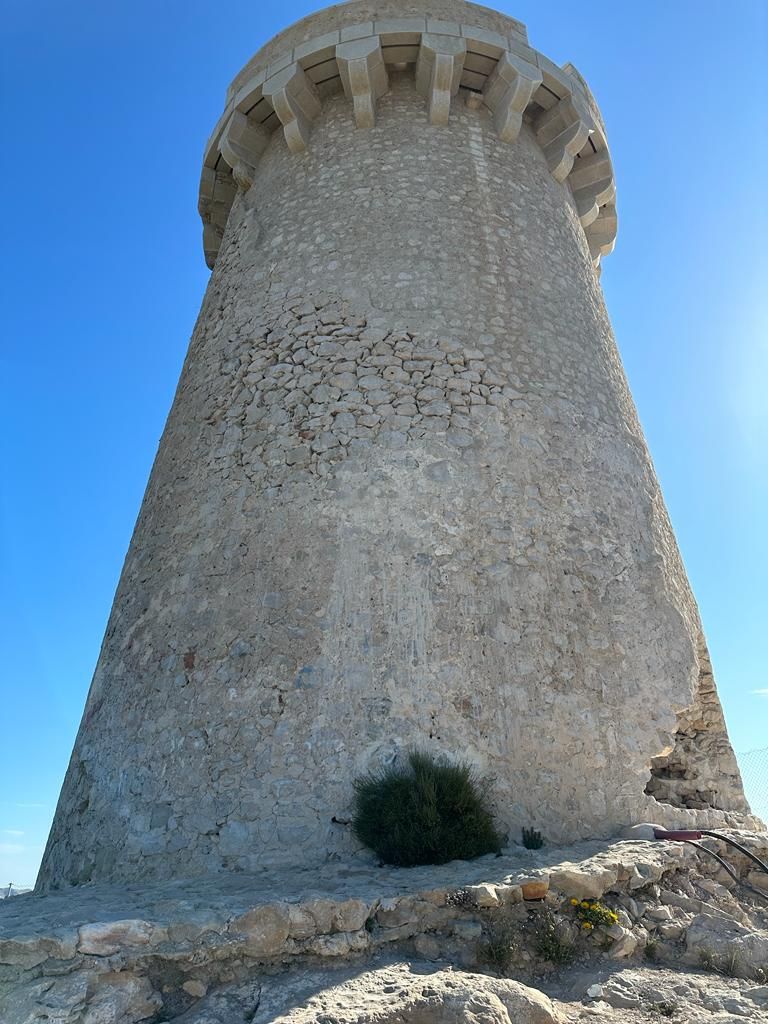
428, 811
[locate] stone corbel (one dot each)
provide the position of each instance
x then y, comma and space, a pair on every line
508, 92
601, 233
295, 100
438, 73
593, 185
241, 144
363, 76
562, 132
217, 193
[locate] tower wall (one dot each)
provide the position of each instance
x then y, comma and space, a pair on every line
402, 500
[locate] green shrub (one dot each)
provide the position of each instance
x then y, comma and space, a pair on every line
651, 950
666, 1008
501, 943
428, 811
553, 940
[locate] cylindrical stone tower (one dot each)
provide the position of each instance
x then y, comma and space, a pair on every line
402, 499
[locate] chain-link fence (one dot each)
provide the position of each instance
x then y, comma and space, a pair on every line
754, 772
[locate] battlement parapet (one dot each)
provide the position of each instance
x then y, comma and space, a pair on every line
491, 69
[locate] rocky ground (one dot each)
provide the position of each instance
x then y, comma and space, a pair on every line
493, 941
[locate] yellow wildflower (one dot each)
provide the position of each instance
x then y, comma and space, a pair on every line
574, 902
585, 904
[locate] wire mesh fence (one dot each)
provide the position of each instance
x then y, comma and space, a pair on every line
754, 772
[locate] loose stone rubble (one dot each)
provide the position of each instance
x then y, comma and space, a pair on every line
202, 951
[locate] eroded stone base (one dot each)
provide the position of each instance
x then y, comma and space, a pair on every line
212, 950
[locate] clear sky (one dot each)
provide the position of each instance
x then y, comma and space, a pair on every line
106, 110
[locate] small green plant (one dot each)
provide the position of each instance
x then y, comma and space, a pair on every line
500, 945
666, 1008
651, 950
553, 940
592, 913
707, 958
761, 975
532, 840
428, 811
730, 963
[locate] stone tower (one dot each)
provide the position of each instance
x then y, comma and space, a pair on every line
402, 498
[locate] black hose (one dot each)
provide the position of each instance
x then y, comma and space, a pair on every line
727, 867
738, 846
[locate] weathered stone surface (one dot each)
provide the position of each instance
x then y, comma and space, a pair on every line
107, 938
121, 998
265, 928
701, 769
584, 882
716, 937
421, 995
28, 951
231, 1004
59, 1000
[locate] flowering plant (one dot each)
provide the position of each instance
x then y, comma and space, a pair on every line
592, 913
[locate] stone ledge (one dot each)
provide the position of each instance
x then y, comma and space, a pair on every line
137, 950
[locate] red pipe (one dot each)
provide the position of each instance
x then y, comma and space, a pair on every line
679, 835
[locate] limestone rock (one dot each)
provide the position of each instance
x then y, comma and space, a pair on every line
105, 938
30, 950
418, 994
265, 928
121, 998
583, 882
708, 936
59, 1000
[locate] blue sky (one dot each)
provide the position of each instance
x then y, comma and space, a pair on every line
106, 109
